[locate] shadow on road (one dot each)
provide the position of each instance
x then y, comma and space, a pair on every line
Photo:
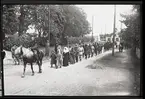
123, 62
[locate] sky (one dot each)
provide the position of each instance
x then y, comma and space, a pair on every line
104, 17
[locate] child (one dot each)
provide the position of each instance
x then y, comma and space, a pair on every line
53, 59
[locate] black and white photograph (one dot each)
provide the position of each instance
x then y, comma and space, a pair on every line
71, 49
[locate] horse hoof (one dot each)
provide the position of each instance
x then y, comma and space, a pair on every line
23, 76
33, 74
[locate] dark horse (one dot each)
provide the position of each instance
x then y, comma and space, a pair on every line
30, 56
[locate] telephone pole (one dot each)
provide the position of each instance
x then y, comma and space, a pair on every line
92, 26
49, 25
114, 29
105, 29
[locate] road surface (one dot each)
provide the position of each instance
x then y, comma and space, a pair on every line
74, 80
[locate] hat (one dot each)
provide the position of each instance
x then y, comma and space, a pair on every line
65, 50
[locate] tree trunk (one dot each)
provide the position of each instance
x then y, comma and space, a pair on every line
21, 20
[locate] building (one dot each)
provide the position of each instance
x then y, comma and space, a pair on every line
109, 37
96, 38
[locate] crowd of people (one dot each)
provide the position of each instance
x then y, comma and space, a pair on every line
63, 56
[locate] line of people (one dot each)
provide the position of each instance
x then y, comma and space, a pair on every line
63, 56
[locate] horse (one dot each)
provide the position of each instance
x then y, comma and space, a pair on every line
15, 56
30, 56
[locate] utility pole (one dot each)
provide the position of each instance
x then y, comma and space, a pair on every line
105, 32
92, 26
105, 29
114, 29
121, 28
49, 25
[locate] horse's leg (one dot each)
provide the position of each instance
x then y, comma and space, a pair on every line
60, 63
56, 65
39, 65
51, 65
18, 61
15, 61
32, 69
80, 57
23, 75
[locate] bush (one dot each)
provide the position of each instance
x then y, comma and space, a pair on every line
9, 42
24, 40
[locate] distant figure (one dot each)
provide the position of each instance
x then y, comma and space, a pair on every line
72, 56
76, 52
59, 56
81, 51
89, 50
65, 56
85, 51
53, 59
121, 47
95, 48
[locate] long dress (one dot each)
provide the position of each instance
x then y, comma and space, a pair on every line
71, 57
65, 58
59, 58
53, 58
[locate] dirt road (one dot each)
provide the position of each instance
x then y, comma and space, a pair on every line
75, 80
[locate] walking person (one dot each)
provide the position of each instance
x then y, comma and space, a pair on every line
92, 50
65, 56
53, 59
85, 51
95, 48
81, 51
72, 56
89, 50
76, 52
59, 56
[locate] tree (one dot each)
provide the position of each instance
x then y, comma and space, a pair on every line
10, 21
131, 34
65, 20
76, 23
